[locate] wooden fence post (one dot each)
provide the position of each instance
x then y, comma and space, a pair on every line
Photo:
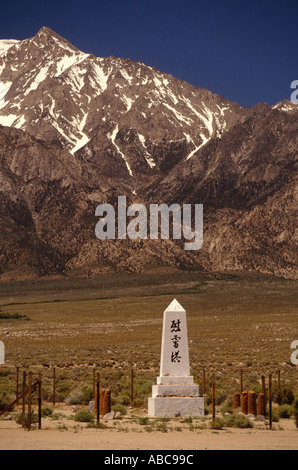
94, 386
213, 396
264, 388
24, 399
54, 386
98, 398
270, 401
39, 401
17, 385
29, 400
132, 388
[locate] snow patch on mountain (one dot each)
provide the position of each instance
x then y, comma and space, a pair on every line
204, 142
3, 92
286, 106
6, 44
39, 78
148, 157
99, 77
112, 136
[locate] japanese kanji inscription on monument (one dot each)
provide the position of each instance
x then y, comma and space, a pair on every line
175, 393
175, 327
174, 354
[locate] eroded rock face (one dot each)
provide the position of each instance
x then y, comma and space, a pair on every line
81, 130
121, 116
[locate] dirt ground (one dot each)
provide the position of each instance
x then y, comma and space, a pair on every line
129, 434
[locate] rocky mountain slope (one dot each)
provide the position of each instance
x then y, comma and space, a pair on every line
122, 116
77, 130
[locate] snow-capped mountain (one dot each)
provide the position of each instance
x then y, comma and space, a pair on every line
77, 130
107, 108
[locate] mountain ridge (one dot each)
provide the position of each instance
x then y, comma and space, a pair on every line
81, 130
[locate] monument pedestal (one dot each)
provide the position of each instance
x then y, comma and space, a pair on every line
173, 407
179, 396
175, 393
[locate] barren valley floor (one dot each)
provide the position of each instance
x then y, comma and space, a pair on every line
114, 323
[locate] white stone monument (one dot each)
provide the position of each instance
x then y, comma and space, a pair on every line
175, 393
2, 353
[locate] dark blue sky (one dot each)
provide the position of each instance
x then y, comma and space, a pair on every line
246, 52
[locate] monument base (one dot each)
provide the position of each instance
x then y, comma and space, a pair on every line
171, 407
176, 380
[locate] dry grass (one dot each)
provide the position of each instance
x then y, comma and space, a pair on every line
234, 322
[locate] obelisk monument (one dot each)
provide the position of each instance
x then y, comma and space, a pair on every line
175, 393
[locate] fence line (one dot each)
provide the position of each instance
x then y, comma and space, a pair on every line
28, 392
